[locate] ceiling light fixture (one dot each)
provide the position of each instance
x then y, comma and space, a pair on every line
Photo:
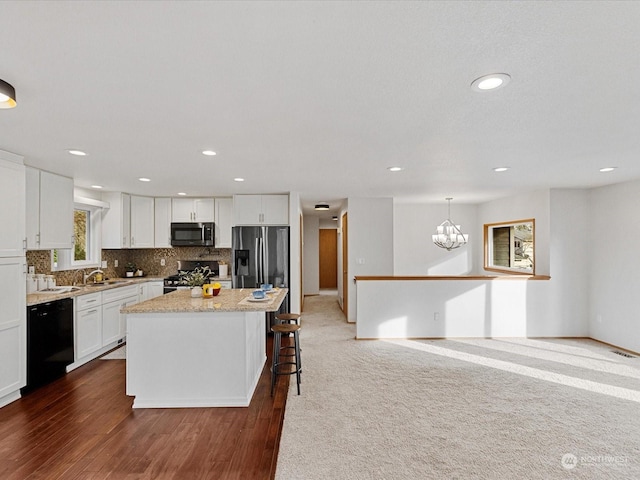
77, 153
501, 169
395, 169
490, 82
335, 217
448, 235
238, 179
143, 179
7, 95
607, 169
182, 194
209, 153
96, 186
322, 206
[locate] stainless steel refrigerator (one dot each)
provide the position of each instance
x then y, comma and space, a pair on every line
260, 255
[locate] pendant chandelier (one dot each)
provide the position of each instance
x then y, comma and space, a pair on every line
448, 235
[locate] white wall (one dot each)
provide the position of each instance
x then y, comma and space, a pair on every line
370, 241
614, 291
414, 252
527, 205
295, 255
311, 255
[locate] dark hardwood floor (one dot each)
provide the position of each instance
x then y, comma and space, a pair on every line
82, 426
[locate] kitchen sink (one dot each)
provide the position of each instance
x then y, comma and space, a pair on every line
59, 289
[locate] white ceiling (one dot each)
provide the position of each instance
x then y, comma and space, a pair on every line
321, 97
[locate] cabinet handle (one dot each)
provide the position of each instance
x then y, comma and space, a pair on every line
92, 311
24, 244
132, 241
91, 301
38, 238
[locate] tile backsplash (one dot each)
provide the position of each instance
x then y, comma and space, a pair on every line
146, 259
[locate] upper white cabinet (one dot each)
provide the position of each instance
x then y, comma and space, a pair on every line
142, 222
261, 209
12, 215
49, 207
116, 220
162, 224
192, 210
224, 222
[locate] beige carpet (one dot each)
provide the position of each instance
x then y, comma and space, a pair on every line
457, 409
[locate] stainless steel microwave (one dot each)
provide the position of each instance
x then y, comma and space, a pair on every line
192, 234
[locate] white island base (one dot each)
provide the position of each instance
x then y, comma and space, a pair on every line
203, 359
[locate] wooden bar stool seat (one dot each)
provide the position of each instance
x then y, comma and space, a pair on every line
277, 363
288, 318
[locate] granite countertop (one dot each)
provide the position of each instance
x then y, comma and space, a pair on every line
39, 297
229, 300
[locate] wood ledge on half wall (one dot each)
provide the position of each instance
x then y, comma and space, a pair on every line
453, 277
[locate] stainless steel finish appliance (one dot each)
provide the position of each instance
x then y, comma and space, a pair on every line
192, 234
174, 282
260, 255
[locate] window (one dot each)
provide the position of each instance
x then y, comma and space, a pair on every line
509, 247
86, 251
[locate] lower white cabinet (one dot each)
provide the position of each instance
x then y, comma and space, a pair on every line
88, 325
13, 343
99, 325
113, 322
149, 290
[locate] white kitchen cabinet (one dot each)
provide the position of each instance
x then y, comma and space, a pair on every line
223, 222
113, 322
13, 308
142, 222
13, 343
12, 214
88, 324
116, 220
162, 223
192, 210
261, 210
49, 207
149, 290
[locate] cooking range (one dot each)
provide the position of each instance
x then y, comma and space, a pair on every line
174, 282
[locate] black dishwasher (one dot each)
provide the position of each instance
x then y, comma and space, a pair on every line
49, 342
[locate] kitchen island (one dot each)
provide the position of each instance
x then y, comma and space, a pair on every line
197, 352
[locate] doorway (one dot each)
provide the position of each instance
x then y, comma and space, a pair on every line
328, 258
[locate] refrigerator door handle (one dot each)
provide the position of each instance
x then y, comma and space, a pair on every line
256, 245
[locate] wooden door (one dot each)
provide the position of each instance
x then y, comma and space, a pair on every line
328, 258
345, 269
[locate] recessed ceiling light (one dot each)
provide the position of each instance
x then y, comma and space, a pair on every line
607, 169
501, 169
238, 179
322, 206
7, 95
335, 217
490, 82
143, 179
181, 194
78, 153
96, 186
210, 153
395, 169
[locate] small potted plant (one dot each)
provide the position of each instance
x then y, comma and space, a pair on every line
130, 268
195, 279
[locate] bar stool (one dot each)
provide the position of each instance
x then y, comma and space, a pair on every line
288, 318
285, 318
276, 363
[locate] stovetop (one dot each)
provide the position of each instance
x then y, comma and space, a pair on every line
189, 266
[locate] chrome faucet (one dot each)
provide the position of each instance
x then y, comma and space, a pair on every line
86, 277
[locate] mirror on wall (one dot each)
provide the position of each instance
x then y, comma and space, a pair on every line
509, 247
